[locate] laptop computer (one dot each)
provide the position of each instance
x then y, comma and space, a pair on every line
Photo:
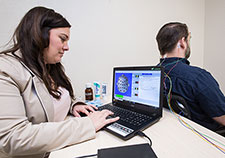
137, 98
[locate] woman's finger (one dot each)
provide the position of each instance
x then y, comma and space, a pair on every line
76, 114
93, 106
111, 120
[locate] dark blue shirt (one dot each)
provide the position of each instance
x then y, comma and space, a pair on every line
198, 88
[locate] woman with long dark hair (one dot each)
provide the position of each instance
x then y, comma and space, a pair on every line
35, 93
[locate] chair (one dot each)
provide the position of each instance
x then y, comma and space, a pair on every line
221, 131
179, 105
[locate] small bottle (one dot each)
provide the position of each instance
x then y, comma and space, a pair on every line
104, 90
97, 90
88, 92
104, 93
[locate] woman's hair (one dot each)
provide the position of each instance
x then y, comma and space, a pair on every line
31, 37
169, 35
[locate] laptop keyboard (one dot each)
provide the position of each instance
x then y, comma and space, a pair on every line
128, 116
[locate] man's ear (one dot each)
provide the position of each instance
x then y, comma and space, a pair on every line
183, 43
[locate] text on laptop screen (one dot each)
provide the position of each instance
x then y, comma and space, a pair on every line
139, 86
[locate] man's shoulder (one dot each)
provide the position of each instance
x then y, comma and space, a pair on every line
193, 71
200, 78
200, 72
193, 76
192, 68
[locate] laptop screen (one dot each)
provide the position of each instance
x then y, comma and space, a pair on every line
140, 86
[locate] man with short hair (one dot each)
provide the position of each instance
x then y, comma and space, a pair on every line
197, 86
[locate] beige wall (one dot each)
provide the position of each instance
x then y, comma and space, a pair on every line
214, 56
107, 33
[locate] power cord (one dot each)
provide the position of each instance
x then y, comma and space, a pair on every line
84, 156
140, 133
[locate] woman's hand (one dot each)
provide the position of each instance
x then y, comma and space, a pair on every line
99, 118
86, 109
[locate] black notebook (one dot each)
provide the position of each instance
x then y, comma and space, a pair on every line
130, 151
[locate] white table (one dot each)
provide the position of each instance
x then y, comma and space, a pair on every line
169, 137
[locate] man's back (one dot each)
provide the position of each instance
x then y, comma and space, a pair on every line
198, 88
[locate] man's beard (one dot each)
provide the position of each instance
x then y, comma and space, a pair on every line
187, 52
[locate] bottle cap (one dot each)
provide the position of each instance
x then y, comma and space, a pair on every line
88, 85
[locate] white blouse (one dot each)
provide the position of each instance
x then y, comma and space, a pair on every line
62, 105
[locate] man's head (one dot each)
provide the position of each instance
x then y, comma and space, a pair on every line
173, 35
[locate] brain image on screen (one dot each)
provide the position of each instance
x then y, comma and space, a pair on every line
122, 84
